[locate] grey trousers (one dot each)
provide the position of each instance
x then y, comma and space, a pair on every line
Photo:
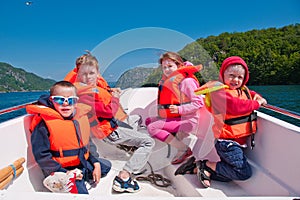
132, 137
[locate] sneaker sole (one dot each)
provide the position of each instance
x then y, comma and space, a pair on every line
118, 189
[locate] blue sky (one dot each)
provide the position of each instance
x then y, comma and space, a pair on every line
46, 37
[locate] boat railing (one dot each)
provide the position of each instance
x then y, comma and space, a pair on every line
15, 108
276, 109
282, 111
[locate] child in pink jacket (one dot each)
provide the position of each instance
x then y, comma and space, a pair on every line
178, 106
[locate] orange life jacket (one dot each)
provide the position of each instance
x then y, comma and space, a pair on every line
169, 92
238, 126
229, 126
100, 127
66, 141
101, 82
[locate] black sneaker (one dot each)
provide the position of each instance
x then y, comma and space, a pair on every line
130, 185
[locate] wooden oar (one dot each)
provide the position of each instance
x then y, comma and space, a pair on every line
282, 111
6, 181
7, 110
9, 170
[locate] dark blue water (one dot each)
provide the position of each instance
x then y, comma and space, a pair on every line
12, 99
283, 96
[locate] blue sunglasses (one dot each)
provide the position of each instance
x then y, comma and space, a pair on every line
61, 100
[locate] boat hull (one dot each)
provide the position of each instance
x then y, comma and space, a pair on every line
275, 160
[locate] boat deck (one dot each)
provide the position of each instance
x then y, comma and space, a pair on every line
275, 172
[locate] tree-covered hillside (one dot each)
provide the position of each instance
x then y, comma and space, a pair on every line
272, 55
14, 79
134, 77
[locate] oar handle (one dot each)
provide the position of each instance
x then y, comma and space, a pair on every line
10, 170
292, 114
6, 181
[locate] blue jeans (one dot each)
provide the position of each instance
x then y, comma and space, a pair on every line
105, 168
233, 164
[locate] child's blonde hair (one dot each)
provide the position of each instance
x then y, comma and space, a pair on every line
237, 68
87, 59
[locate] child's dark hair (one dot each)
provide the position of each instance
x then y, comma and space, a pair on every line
66, 84
173, 56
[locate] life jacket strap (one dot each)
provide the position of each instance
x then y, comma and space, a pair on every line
252, 141
67, 153
112, 121
165, 106
93, 123
242, 119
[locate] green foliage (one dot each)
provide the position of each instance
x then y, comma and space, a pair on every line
14, 79
154, 78
134, 77
272, 54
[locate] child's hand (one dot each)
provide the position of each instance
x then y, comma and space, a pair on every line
78, 173
260, 100
173, 109
116, 92
97, 172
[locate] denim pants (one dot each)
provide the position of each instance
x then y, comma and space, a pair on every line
131, 137
105, 168
233, 164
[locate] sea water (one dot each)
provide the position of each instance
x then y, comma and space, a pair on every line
12, 99
283, 96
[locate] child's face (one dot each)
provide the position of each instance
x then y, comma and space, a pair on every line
168, 67
65, 110
88, 74
234, 77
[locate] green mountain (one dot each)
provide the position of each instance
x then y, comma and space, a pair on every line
134, 77
272, 55
15, 79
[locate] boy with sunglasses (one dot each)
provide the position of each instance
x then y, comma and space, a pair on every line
61, 142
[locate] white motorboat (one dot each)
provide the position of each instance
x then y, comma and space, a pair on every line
275, 161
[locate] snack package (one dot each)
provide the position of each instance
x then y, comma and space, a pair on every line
61, 182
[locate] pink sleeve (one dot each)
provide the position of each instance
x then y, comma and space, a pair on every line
188, 86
